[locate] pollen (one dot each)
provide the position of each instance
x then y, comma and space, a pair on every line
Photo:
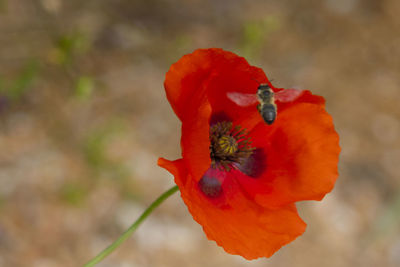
228, 145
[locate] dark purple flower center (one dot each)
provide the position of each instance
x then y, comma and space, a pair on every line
228, 145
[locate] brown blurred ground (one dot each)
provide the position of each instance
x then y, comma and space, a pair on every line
83, 119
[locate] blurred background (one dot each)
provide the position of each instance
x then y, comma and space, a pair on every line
83, 119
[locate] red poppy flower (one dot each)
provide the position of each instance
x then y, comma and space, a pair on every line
238, 176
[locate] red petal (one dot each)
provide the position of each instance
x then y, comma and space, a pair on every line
238, 224
195, 140
223, 72
302, 153
235, 76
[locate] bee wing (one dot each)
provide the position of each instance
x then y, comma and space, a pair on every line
242, 99
288, 95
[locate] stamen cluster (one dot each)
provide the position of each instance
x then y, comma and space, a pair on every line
228, 145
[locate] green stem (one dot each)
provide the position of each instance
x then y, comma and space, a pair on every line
132, 228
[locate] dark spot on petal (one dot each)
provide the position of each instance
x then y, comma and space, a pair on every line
218, 117
254, 165
210, 186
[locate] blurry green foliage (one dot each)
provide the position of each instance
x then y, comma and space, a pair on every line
2, 202
389, 222
3, 6
68, 46
24, 80
73, 193
255, 34
17, 88
95, 150
128, 192
181, 44
183, 41
386, 223
84, 87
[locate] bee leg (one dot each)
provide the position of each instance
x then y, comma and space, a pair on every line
259, 108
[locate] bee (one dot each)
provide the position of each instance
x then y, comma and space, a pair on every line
267, 107
266, 99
